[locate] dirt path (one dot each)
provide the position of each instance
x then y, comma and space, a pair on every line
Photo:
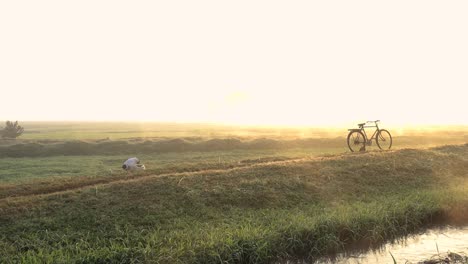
86, 185
108, 182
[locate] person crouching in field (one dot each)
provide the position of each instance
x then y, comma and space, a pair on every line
133, 164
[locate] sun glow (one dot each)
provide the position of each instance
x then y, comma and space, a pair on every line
300, 64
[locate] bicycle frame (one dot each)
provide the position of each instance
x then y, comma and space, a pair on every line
368, 141
358, 138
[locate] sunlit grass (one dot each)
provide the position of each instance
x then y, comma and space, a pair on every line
256, 215
126, 130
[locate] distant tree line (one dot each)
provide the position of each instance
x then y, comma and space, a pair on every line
11, 130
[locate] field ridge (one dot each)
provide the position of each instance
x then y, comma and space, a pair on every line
108, 181
294, 209
103, 182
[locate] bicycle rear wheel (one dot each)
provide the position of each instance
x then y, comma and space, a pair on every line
356, 141
384, 140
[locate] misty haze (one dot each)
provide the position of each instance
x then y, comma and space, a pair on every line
233, 132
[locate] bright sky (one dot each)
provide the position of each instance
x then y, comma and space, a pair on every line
246, 62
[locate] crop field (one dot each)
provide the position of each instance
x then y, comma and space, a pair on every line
127, 130
218, 194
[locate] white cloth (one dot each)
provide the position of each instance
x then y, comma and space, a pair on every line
131, 164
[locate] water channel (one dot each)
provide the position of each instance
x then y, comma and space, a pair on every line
413, 249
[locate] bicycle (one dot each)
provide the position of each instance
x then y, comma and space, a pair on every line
358, 140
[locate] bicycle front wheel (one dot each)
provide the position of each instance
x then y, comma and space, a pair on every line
356, 141
384, 140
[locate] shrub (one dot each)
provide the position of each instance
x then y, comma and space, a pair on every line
12, 130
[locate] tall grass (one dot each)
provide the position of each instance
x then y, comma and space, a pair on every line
299, 210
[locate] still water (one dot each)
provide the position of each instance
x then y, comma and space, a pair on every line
414, 249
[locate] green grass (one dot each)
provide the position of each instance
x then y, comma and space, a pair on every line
54, 139
257, 214
50, 131
145, 146
31, 175
125, 130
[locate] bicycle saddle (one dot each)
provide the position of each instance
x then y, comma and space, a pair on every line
362, 124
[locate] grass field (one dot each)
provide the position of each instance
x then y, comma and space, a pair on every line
125, 130
53, 131
221, 202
